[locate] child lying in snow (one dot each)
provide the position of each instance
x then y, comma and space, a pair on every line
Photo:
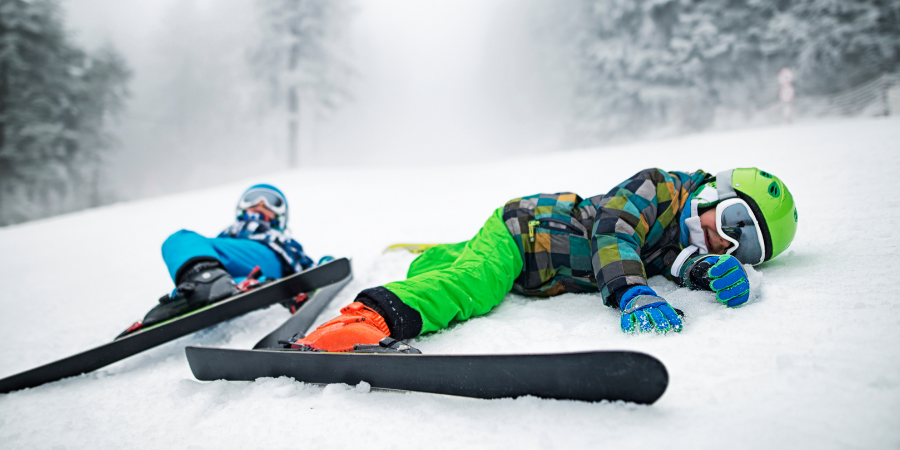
694, 228
204, 269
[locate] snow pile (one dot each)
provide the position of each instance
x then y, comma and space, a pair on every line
811, 361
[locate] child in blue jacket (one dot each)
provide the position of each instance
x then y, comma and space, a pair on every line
204, 269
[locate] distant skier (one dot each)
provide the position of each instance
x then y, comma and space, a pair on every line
204, 269
694, 228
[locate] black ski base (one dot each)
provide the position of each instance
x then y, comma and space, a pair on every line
586, 376
307, 281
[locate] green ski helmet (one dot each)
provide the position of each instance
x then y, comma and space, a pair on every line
769, 200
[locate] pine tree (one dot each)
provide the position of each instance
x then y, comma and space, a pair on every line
300, 57
54, 98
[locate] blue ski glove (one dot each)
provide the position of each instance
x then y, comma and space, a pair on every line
325, 259
723, 275
643, 310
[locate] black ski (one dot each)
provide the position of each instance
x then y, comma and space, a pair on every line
304, 318
587, 376
131, 344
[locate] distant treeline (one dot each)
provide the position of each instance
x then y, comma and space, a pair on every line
647, 65
635, 68
57, 100
54, 98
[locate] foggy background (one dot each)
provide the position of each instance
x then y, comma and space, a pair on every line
438, 81
110, 100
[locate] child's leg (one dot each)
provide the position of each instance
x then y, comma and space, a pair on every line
238, 256
476, 281
185, 246
436, 258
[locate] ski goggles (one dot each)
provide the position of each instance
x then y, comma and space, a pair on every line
275, 202
736, 223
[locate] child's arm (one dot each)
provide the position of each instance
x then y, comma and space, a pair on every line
636, 210
296, 251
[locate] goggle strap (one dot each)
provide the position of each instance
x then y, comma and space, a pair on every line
723, 185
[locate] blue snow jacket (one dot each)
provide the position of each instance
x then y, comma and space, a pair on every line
255, 228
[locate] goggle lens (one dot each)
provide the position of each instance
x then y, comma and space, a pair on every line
272, 200
738, 223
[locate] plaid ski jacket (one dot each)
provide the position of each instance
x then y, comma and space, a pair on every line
608, 242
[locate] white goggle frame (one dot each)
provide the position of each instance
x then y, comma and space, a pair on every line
735, 244
243, 205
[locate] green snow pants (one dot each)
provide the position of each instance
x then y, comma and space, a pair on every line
459, 281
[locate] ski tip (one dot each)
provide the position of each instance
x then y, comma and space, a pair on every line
654, 379
412, 248
192, 353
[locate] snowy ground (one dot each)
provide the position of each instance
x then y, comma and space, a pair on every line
810, 362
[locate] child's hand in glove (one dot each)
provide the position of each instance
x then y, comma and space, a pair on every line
644, 311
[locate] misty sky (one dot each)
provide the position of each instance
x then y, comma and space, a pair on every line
441, 79
436, 80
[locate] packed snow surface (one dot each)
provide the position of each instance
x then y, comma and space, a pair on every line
812, 361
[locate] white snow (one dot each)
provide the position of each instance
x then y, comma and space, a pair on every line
811, 362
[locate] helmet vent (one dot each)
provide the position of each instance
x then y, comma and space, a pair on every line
774, 190
765, 174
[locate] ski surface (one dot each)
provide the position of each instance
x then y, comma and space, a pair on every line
304, 318
586, 376
266, 295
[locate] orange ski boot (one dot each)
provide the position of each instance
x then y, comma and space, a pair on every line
357, 325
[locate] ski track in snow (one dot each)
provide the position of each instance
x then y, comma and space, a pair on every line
810, 362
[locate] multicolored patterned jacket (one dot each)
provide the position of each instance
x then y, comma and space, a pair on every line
608, 242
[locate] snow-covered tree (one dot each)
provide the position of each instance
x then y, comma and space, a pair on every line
651, 64
836, 44
54, 98
301, 57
